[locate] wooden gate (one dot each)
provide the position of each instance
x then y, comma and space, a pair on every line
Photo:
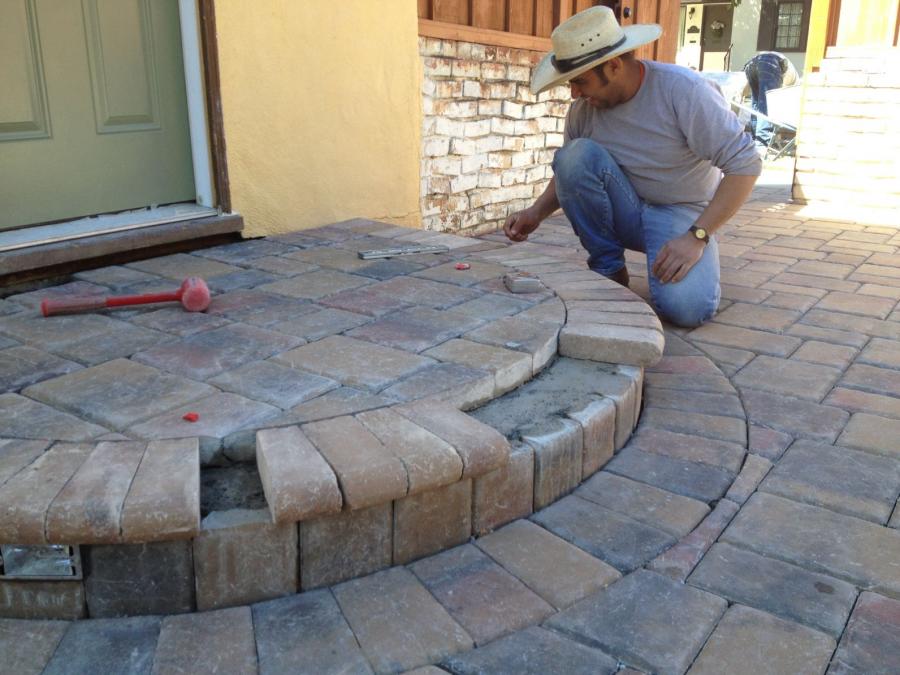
527, 24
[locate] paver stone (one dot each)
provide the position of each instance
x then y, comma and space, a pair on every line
121, 645
871, 643
28, 645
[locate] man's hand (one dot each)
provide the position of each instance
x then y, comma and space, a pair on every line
520, 224
677, 257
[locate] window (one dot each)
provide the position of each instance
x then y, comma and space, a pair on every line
788, 30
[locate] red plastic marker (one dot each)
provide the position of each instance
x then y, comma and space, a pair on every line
462, 266
191, 417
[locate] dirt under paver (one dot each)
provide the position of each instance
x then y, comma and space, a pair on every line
800, 368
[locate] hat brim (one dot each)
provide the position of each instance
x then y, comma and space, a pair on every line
546, 76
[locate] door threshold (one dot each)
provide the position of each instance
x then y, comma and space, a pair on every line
41, 235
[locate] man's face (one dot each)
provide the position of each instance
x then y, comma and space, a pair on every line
598, 94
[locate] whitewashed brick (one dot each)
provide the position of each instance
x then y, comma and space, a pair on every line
479, 198
472, 218
465, 68
473, 89
547, 124
427, 105
448, 89
513, 143
499, 125
476, 129
561, 125
489, 179
519, 73
435, 147
535, 174
557, 109
474, 163
433, 204
500, 160
495, 212
446, 166
437, 184
523, 93
493, 71
463, 183
525, 127
490, 108
458, 203
524, 158
535, 111
428, 125
458, 109
462, 146
437, 67
533, 142
435, 47
514, 110
489, 143
447, 127
554, 140
544, 156
514, 177
503, 90
428, 86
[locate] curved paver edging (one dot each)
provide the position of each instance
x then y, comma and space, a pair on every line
421, 458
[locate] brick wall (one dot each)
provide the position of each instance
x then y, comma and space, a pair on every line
848, 143
487, 142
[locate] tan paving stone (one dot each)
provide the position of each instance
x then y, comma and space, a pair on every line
687, 365
553, 568
830, 335
475, 274
460, 386
505, 494
754, 470
884, 353
689, 447
316, 284
521, 334
30, 599
306, 633
741, 294
872, 433
849, 322
788, 377
483, 597
481, 448
510, 368
810, 279
718, 427
208, 642
819, 540
240, 557
875, 380
345, 545
768, 443
424, 292
756, 341
824, 353
558, 458
757, 317
870, 644
15, 455
429, 461
615, 318
794, 416
822, 269
298, 482
749, 641
612, 344
179, 266
788, 289
728, 359
367, 472
354, 362
28, 645
598, 425
25, 499
665, 510
420, 630
432, 521
714, 404
335, 403
862, 401
856, 303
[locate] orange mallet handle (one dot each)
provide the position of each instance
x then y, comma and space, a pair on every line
193, 295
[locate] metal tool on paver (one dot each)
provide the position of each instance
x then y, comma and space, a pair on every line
522, 282
413, 249
193, 294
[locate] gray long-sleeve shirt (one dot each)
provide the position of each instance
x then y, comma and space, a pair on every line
674, 139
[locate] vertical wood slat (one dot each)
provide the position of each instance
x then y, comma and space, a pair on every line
451, 11
543, 18
520, 16
581, 5
489, 14
644, 11
424, 9
667, 44
563, 10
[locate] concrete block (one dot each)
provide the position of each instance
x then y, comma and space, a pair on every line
432, 521
558, 449
505, 494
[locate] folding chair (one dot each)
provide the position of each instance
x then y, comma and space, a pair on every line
784, 115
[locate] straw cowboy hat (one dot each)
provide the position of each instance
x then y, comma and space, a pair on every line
586, 40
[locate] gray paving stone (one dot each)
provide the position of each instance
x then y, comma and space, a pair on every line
55, 333
794, 416
28, 645
558, 458
872, 433
855, 550
492, 306
872, 379
115, 277
721, 428
871, 643
176, 321
107, 646
756, 341
510, 368
645, 620
847, 481
552, 567
273, 384
337, 402
486, 600
432, 521
15, 455
354, 362
476, 273
316, 284
749, 641
425, 292
533, 651
345, 545
616, 539
420, 630
661, 509
22, 366
714, 384
691, 448
522, 334
118, 393
788, 377
209, 353
257, 308
754, 470
136, 579
366, 300
209, 642
241, 252
276, 264
388, 269
306, 633
32, 299
777, 587
182, 265
465, 387
699, 402
21, 417
505, 494
319, 324
332, 258
30, 599
415, 329
699, 481
757, 317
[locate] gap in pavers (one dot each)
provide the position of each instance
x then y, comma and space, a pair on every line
235, 486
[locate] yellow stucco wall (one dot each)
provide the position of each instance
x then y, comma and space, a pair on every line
322, 111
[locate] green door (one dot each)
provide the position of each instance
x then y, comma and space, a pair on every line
93, 115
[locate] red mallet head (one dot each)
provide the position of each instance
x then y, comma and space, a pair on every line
194, 294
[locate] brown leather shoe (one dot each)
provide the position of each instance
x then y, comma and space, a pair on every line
620, 277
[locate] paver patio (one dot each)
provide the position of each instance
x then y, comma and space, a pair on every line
684, 554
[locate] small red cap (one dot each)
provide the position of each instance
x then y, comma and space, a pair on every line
462, 266
191, 417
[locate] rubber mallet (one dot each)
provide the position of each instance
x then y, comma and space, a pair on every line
193, 295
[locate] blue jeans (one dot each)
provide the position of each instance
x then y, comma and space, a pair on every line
608, 217
763, 73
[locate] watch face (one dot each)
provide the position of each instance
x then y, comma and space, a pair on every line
700, 233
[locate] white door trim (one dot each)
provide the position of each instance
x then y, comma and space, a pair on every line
196, 104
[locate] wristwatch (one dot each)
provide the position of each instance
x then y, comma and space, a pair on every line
700, 233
